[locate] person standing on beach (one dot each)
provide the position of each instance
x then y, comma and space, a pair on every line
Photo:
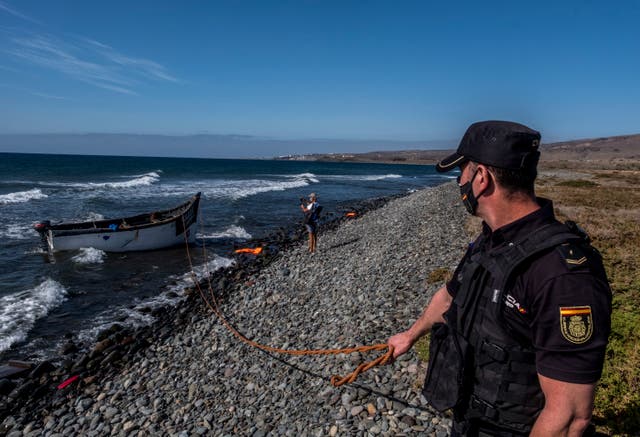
311, 210
518, 335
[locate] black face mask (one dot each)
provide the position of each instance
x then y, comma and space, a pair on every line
469, 201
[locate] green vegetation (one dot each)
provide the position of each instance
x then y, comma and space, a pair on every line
578, 183
438, 276
422, 348
609, 212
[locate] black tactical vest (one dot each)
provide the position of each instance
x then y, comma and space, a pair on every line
477, 366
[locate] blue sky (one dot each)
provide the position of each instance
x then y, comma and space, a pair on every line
397, 70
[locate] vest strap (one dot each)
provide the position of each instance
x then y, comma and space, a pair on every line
481, 409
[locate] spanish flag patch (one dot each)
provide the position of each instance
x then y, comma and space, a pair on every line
576, 323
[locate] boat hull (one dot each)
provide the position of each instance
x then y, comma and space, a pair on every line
123, 240
176, 226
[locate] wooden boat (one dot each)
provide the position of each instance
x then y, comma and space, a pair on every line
154, 230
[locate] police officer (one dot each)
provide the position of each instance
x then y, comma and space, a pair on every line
518, 335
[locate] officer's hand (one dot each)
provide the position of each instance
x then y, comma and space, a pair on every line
401, 343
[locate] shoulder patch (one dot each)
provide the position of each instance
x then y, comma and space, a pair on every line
576, 323
573, 255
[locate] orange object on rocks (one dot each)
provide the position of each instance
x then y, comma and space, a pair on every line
351, 214
256, 251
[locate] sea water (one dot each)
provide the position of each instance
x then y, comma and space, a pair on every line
46, 299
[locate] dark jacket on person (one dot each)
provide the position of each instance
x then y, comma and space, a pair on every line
530, 298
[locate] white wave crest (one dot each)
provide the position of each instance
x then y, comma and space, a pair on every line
381, 177
138, 181
239, 189
22, 196
19, 311
93, 217
233, 231
372, 177
89, 255
18, 232
308, 176
201, 271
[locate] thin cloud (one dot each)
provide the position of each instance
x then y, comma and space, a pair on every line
32, 92
88, 61
145, 67
48, 96
15, 13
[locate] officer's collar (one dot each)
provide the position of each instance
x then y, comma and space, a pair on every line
523, 226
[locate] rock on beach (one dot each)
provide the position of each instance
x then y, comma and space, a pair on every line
365, 283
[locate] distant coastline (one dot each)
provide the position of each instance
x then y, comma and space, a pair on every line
621, 152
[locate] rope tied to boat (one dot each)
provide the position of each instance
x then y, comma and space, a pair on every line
336, 380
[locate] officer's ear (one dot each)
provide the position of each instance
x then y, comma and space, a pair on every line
486, 179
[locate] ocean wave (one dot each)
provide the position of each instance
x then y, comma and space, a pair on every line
93, 217
89, 255
19, 311
308, 176
138, 315
371, 177
141, 180
201, 271
22, 196
14, 231
245, 188
233, 231
157, 173
381, 177
137, 181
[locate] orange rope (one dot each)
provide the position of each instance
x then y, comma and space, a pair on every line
336, 380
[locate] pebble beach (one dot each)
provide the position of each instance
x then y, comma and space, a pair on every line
365, 283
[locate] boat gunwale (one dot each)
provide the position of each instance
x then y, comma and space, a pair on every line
93, 226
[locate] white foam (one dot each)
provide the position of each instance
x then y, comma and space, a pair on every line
19, 311
89, 255
22, 196
249, 187
155, 172
373, 177
381, 177
93, 217
36, 251
201, 271
233, 231
231, 188
18, 232
170, 297
308, 176
137, 181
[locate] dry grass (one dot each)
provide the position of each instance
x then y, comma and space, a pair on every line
608, 211
441, 275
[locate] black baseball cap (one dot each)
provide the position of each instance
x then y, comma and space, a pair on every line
502, 144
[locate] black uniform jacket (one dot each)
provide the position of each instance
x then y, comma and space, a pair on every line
560, 302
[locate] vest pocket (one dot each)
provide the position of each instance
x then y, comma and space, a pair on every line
448, 353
